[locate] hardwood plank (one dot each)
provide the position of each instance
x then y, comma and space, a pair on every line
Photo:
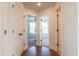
39, 51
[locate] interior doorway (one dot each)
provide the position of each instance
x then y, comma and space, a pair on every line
44, 32
31, 30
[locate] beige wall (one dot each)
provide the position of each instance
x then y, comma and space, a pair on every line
0, 29
69, 29
77, 30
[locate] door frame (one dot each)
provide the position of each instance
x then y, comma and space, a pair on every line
58, 29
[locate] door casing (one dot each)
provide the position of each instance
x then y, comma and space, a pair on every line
58, 30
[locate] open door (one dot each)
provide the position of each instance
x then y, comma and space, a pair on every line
44, 36
31, 31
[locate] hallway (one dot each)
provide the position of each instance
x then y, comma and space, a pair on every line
38, 29
39, 51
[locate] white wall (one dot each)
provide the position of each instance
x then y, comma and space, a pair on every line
69, 29
78, 29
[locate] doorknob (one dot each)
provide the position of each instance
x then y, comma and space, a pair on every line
35, 40
57, 44
20, 34
40, 40
57, 30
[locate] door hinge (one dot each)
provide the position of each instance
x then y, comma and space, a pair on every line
24, 16
24, 44
13, 5
57, 30
35, 29
41, 40
35, 40
5, 32
41, 19
57, 44
12, 54
24, 30
12, 31
57, 15
35, 19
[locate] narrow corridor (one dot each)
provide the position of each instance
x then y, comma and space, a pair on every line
52, 28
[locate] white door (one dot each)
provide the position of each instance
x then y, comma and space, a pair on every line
11, 22
31, 31
44, 36
18, 32
4, 29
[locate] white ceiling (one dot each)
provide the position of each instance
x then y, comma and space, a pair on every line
34, 6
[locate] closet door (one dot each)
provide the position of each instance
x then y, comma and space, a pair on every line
10, 29
4, 29
13, 26
18, 29
6, 37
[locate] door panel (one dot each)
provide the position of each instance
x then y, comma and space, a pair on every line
31, 31
44, 31
18, 30
4, 28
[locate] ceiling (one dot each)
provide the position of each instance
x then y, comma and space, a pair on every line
34, 6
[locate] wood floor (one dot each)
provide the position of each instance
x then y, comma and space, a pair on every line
39, 51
